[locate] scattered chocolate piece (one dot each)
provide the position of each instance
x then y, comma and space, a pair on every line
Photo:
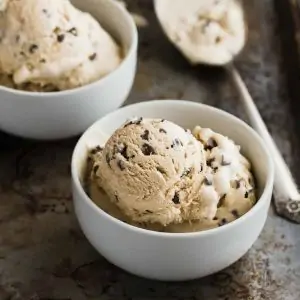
215, 169
215, 218
43, 60
134, 122
145, 135
161, 130
176, 199
221, 201
147, 149
117, 198
93, 56
207, 182
162, 120
224, 162
95, 169
123, 152
246, 194
73, 31
176, 143
210, 161
148, 211
186, 172
60, 38
107, 159
222, 222
121, 165
33, 48
22, 53
96, 150
210, 144
235, 213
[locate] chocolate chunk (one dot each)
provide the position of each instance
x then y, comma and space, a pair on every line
123, 152
176, 143
121, 165
221, 201
235, 213
93, 56
148, 211
60, 38
145, 135
147, 149
186, 172
176, 199
210, 144
215, 218
210, 161
33, 48
207, 182
246, 194
224, 162
134, 122
107, 159
161, 130
95, 169
73, 31
222, 222
215, 169
96, 150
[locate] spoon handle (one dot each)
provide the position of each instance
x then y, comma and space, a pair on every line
284, 182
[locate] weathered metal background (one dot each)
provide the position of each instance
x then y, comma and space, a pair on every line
43, 254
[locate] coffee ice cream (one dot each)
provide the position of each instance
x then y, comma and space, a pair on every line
154, 174
52, 44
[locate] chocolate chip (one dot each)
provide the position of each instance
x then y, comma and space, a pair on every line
161, 130
176, 143
246, 194
222, 222
22, 53
148, 211
147, 149
176, 199
210, 161
121, 165
44, 11
43, 60
134, 122
107, 158
215, 169
117, 198
186, 172
93, 56
60, 38
224, 162
238, 184
73, 31
123, 152
207, 182
95, 169
56, 30
215, 218
235, 213
162, 120
96, 150
221, 201
17, 38
33, 48
210, 144
145, 135
218, 39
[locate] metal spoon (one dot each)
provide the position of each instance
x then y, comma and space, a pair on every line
287, 197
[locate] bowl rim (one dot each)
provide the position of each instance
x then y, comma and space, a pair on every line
132, 49
218, 230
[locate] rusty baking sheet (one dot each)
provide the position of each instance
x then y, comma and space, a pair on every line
43, 253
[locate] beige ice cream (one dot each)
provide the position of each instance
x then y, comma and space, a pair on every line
210, 31
53, 43
158, 176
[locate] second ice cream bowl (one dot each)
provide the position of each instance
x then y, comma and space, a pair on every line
56, 115
173, 256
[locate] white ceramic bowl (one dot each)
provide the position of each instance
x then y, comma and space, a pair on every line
64, 114
173, 256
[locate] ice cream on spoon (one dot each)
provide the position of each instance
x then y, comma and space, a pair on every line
213, 32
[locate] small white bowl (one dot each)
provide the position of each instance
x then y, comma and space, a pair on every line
63, 114
173, 256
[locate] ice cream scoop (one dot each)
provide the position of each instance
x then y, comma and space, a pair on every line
52, 42
152, 170
213, 32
